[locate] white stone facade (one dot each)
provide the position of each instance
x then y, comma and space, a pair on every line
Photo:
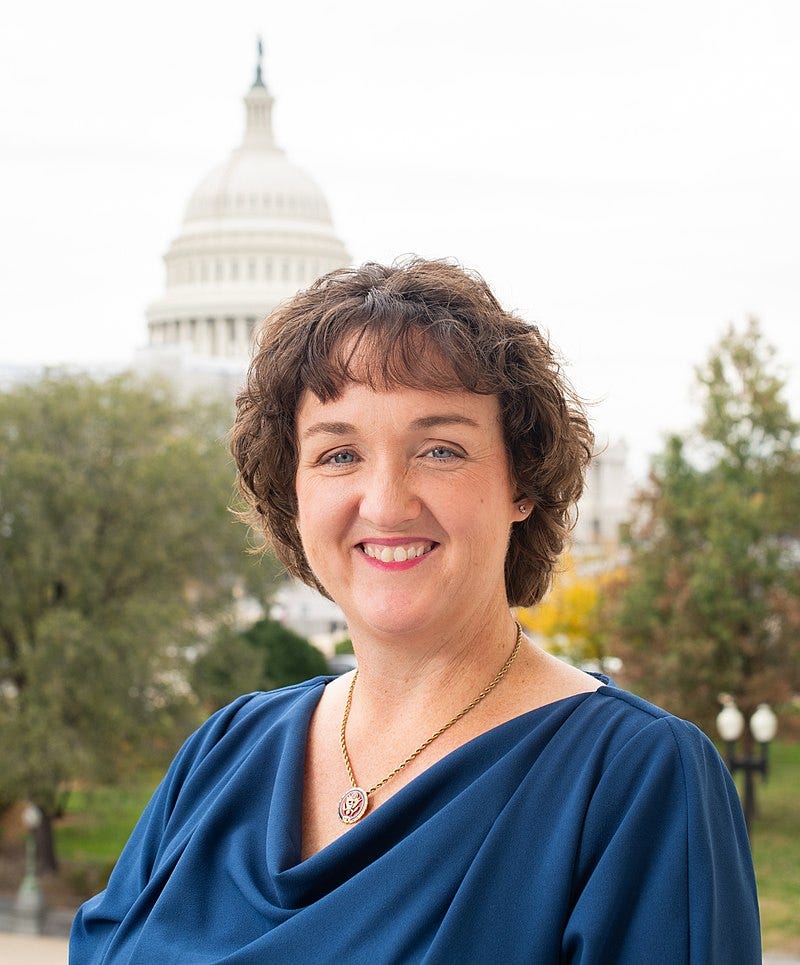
606, 501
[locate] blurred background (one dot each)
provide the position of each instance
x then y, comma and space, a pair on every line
623, 174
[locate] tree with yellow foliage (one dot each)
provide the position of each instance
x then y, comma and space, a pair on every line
566, 621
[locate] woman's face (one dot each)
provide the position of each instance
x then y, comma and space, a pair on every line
405, 505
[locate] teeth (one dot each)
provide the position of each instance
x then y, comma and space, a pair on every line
396, 554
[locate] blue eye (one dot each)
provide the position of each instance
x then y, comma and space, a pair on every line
442, 452
342, 458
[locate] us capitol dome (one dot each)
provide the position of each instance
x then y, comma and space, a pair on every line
256, 229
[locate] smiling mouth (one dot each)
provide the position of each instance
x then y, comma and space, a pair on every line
396, 554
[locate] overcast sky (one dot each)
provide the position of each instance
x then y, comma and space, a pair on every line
624, 173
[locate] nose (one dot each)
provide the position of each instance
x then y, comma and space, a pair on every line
389, 499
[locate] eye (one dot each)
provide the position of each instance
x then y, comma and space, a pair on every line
344, 458
442, 453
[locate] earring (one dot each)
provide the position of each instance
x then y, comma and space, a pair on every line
523, 508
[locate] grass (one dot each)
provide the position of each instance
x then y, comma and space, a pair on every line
91, 836
99, 821
776, 850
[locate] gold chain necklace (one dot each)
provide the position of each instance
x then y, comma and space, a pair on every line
353, 803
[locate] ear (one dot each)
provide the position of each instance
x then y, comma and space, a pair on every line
523, 508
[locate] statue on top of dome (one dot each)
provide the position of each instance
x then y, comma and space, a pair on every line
259, 81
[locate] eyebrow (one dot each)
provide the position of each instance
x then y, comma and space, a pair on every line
425, 422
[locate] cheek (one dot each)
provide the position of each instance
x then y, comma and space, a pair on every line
492, 495
322, 508
307, 512
309, 495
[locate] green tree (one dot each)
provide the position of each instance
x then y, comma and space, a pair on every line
226, 667
712, 599
265, 656
116, 546
287, 658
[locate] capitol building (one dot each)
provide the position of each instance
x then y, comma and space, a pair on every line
256, 229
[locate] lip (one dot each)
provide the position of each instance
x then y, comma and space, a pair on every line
394, 566
396, 540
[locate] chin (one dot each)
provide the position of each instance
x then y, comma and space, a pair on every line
395, 616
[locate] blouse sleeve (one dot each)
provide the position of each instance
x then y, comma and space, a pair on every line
665, 874
97, 920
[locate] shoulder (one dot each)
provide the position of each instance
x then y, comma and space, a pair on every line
633, 719
660, 728
267, 702
232, 732
259, 708
618, 741
662, 837
642, 767
609, 745
642, 751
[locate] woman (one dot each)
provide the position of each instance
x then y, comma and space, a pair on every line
412, 450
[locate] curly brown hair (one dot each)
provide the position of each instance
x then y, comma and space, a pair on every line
424, 325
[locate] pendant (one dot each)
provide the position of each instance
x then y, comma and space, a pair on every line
353, 805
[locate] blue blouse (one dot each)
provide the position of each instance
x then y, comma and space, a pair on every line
596, 829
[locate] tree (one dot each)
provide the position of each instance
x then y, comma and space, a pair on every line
265, 656
116, 546
712, 601
287, 658
344, 646
566, 620
225, 668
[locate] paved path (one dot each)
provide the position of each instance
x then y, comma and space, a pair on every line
27, 950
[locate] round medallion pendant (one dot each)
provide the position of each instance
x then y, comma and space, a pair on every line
353, 805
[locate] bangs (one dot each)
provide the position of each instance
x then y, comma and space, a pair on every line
436, 355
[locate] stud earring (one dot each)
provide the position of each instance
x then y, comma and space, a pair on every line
523, 508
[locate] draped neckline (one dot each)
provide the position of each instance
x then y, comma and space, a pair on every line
413, 804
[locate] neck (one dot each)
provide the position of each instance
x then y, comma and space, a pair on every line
438, 668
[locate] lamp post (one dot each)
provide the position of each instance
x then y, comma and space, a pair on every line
763, 727
30, 905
